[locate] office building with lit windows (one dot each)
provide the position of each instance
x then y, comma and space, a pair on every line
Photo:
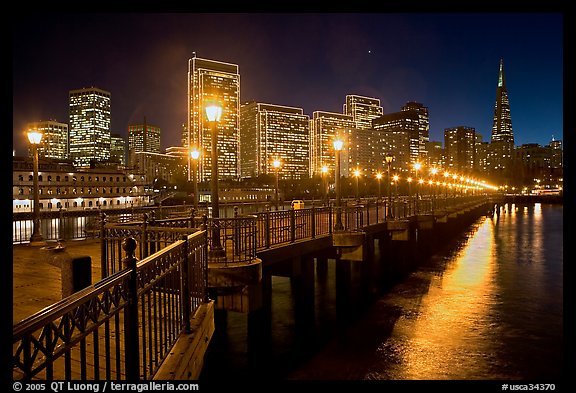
363, 151
118, 149
398, 134
423, 126
270, 132
460, 149
214, 81
435, 154
54, 142
89, 137
324, 126
362, 109
142, 137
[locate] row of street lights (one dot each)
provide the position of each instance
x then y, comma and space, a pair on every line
213, 115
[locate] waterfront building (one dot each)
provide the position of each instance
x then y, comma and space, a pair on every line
270, 132
324, 126
362, 109
62, 185
459, 149
89, 138
142, 137
209, 81
54, 143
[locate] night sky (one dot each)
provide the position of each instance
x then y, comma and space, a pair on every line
447, 61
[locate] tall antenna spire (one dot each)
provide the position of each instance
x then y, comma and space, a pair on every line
501, 80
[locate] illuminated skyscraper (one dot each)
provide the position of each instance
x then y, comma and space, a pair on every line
142, 138
399, 135
423, 126
502, 124
323, 127
208, 81
271, 132
363, 110
502, 142
54, 142
89, 125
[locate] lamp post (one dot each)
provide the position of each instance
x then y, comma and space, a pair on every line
389, 159
35, 137
433, 172
195, 155
396, 178
276, 164
357, 176
324, 185
379, 177
338, 144
213, 113
409, 180
417, 167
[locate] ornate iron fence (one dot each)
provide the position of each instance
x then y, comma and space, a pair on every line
121, 327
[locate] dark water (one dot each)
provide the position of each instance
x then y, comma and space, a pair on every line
490, 307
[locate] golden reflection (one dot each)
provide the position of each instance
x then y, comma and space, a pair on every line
457, 307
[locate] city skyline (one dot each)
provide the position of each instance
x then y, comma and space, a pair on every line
355, 55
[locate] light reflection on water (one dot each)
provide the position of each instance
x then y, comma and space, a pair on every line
490, 310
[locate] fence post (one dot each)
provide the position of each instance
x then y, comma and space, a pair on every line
144, 241
204, 227
152, 222
103, 247
330, 218
237, 236
313, 222
192, 215
184, 287
267, 226
292, 225
131, 350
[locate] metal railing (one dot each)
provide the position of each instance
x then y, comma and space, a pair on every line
81, 224
122, 327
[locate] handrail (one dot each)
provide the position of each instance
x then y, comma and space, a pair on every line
83, 336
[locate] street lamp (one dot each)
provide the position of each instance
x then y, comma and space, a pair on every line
35, 137
195, 155
389, 159
276, 164
338, 144
324, 185
357, 176
214, 113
